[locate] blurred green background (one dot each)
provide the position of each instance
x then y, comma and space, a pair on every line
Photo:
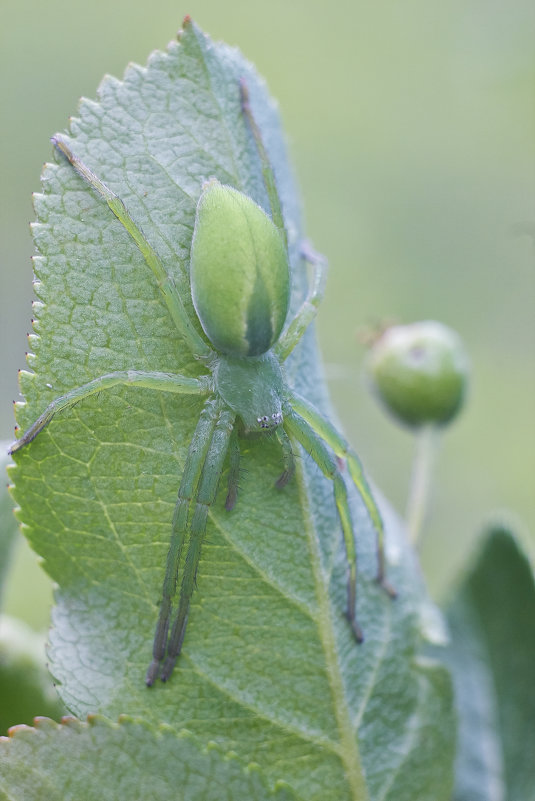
412, 131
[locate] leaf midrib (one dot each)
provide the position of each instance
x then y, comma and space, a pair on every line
348, 749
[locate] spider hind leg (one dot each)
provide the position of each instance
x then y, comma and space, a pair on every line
328, 433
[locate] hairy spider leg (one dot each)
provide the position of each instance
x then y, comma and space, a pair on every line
234, 470
298, 427
193, 466
166, 283
203, 500
325, 429
165, 382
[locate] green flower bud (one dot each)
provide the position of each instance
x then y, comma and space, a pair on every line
420, 372
240, 279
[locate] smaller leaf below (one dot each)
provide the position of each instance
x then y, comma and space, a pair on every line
492, 658
125, 760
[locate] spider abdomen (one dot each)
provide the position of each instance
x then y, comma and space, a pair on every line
240, 281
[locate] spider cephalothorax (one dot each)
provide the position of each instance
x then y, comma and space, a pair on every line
240, 287
253, 387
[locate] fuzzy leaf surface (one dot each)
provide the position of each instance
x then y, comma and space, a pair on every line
492, 657
269, 667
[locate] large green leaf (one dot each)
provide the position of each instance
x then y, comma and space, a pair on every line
129, 760
269, 667
492, 656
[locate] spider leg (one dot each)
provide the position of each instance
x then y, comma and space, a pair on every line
311, 442
234, 470
166, 283
165, 382
267, 170
309, 307
199, 445
343, 450
288, 457
203, 499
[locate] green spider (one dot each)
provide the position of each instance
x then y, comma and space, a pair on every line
241, 297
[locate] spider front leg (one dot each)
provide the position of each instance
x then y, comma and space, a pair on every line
203, 500
311, 442
165, 382
324, 429
200, 442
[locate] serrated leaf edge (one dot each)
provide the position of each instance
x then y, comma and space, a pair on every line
45, 725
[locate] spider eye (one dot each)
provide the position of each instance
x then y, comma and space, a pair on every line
269, 421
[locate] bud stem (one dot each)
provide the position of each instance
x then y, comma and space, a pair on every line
426, 446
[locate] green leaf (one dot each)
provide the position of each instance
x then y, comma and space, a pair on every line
131, 759
492, 656
8, 523
269, 667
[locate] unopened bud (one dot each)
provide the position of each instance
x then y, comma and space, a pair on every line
420, 372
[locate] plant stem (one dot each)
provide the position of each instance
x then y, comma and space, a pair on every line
426, 444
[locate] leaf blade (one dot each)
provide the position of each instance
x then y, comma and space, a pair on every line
130, 758
269, 667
